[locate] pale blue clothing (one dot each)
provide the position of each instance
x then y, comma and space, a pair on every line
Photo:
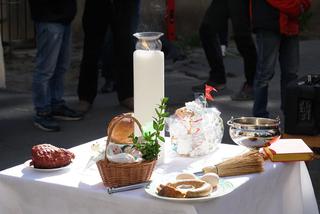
52, 61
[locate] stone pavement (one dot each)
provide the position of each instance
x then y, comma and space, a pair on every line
17, 134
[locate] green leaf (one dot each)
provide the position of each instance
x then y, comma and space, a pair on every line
158, 113
161, 127
166, 114
161, 138
153, 134
149, 146
155, 125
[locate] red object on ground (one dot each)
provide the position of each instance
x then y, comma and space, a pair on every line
170, 20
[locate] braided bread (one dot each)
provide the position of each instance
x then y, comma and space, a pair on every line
47, 156
186, 188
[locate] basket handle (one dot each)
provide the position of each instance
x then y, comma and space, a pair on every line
122, 116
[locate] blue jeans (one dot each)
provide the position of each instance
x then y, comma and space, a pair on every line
271, 46
52, 61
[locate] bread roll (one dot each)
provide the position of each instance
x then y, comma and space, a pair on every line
193, 188
211, 178
122, 130
187, 188
185, 175
184, 113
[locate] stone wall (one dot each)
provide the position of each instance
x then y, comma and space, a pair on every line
313, 29
189, 15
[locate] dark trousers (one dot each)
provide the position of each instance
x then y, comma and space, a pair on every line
98, 16
214, 22
106, 59
271, 47
224, 36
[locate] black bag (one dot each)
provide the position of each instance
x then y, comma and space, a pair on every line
302, 106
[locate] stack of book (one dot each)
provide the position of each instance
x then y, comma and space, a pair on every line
289, 150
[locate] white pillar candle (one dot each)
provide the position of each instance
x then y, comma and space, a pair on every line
148, 83
148, 66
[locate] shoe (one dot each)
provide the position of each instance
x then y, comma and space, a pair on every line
64, 113
246, 93
108, 87
45, 122
128, 103
83, 106
201, 88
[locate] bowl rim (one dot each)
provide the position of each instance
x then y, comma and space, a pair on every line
271, 123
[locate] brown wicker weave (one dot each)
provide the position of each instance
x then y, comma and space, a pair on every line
123, 174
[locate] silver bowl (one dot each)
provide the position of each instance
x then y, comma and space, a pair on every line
254, 132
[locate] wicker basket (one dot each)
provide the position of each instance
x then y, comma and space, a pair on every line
123, 174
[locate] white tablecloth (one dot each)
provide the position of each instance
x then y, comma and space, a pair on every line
282, 188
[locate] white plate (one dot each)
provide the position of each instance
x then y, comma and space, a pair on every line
224, 187
27, 164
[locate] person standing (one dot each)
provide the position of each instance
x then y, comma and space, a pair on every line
122, 17
276, 24
53, 40
214, 22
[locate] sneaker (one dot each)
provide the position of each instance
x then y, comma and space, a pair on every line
128, 103
83, 106
246, 93
65, 113
201, 88
45, 122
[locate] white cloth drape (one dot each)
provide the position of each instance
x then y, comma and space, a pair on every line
284, 188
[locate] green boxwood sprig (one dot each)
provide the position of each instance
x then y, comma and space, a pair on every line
149, 146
